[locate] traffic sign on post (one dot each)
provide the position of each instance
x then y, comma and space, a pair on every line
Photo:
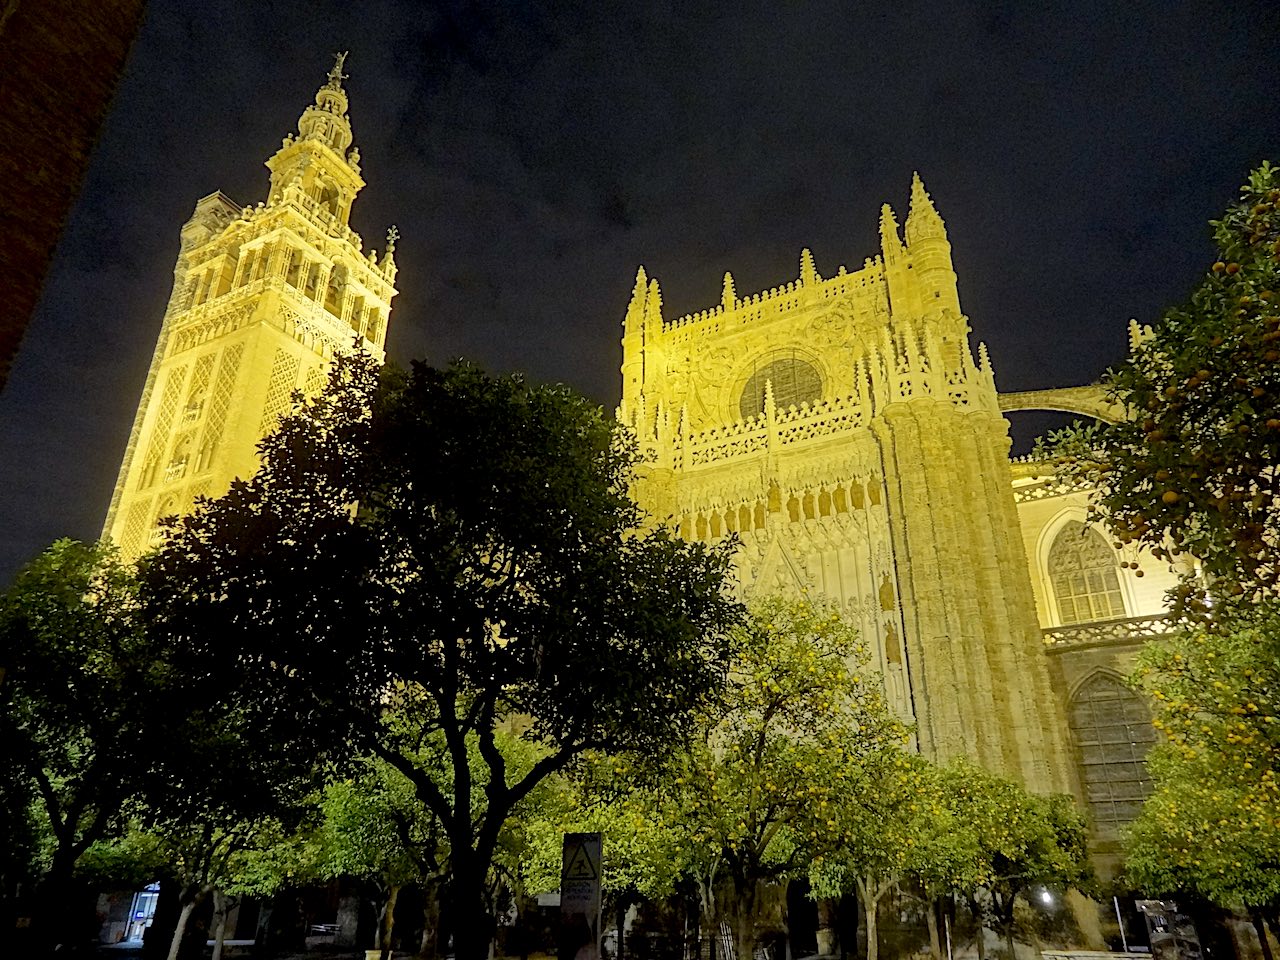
580, 897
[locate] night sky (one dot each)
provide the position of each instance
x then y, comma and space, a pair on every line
533, 155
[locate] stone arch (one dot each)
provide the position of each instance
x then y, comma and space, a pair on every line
1088, 401
1112, 730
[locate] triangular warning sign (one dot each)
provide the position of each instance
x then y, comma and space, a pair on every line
578, 865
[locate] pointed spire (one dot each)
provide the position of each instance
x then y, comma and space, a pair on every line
635, 309
728, 297
808, 272
890, 243
923, 222
653, 305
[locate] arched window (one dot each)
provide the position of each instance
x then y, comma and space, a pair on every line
1082, 569
1113, 730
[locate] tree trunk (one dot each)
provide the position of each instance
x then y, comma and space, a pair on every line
872, 908
981, 935
621, 914
931, 919
55, 898
470, 917
222, 906
387, 920
175, 945
429, 949
826, 927
744, 920
1255, 915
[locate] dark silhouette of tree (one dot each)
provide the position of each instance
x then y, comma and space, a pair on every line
458, 552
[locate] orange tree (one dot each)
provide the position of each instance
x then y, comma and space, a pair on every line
1212, 826
760, 789
1023, 840
1192, 467
464, 545
894, 827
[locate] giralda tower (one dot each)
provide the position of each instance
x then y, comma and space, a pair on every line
262, 297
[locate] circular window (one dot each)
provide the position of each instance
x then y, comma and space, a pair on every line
794, 382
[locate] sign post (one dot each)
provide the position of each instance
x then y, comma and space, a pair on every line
580, 897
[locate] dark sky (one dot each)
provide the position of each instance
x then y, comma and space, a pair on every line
533, 154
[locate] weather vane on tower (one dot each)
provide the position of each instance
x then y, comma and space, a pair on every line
336, 76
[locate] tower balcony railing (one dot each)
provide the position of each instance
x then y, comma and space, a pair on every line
1109, 632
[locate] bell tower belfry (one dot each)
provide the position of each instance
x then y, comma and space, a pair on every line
262, 298
843, 428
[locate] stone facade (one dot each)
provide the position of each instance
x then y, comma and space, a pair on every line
844, 429
262, 297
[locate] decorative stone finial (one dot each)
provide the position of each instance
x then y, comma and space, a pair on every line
393, 234
1137, 333
729, 296
923, 222
808, 272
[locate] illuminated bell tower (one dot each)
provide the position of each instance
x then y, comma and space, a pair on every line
262, 298
844, 430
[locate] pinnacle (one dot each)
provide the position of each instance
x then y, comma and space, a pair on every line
923, 221
888, 228
808, 271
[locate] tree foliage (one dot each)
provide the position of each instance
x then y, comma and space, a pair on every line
1212, 826
1023, 840
452, 551
760, 790
78, 672
1191, 468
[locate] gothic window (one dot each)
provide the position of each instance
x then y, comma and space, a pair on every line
794, 382
1113, 731
1082, 570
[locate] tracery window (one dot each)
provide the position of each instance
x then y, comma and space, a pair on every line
794, 382
1113, 731
1082, 570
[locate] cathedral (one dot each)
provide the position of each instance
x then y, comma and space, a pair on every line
842, 427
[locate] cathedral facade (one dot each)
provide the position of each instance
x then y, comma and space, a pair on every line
843, 428
848, 434
262, 297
